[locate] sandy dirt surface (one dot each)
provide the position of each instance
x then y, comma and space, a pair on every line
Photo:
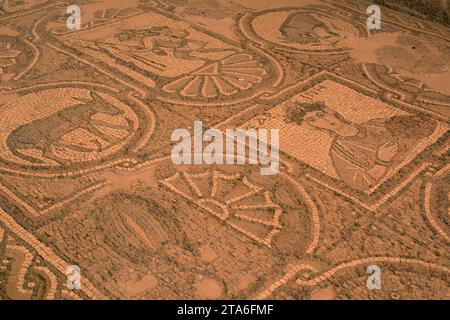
86, 177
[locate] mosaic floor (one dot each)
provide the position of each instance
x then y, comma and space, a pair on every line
86, 177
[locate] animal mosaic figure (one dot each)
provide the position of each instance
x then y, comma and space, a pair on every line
45, 134
163, 40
